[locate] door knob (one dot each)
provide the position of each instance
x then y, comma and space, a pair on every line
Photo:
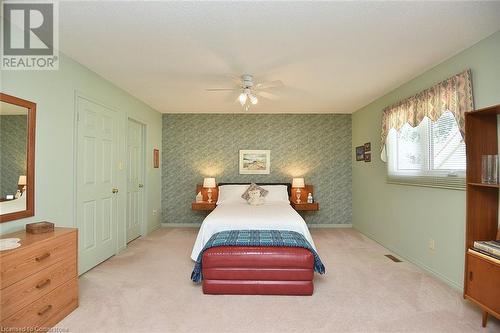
115, 190
141, 185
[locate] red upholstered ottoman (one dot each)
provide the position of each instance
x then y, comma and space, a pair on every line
258, 270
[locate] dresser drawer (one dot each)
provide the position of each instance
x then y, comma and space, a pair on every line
18, 295
35, 258
47, 310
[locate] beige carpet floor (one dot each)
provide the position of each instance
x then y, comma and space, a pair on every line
146, 288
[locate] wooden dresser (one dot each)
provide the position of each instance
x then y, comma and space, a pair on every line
38, 280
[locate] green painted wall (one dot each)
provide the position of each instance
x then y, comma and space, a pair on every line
54, 93
316, 147
404, 218
13, 147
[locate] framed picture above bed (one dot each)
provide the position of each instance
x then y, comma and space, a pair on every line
255, 162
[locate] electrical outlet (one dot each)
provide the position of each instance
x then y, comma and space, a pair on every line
155, 212
432, 244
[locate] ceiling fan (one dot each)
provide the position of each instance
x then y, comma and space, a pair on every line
249, 91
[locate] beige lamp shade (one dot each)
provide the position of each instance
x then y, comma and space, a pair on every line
298, 183
209, 183
22, 180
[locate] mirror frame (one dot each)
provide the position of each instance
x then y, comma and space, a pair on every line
30, 156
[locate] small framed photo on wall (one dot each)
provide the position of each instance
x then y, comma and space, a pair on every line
368, 146
156, 158
360, 153
368, 157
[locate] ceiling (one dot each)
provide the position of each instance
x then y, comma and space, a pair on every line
333, 57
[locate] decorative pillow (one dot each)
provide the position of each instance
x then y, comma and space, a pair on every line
252, 187
255, 198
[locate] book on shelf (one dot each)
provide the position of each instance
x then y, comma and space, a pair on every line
486, 253
488, 256
491, 247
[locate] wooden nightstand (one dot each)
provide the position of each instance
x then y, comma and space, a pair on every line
203, 205
304, 206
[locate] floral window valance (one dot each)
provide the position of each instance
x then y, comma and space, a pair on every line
453, 94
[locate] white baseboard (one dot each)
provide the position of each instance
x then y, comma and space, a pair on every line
197, 225
418, 263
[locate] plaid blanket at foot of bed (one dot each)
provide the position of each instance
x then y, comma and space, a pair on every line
256, 238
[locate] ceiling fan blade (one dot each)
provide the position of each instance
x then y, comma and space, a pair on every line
221, 89
267, 95
271, 84
235, 78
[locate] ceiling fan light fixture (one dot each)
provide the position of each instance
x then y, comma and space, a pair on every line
242, 98
249, 91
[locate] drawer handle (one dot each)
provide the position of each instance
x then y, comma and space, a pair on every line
42, 284
43, 256
44, 310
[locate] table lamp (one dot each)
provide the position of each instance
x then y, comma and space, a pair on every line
298, 183
210, 184
22, 182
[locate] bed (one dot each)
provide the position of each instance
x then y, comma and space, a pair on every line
278, 270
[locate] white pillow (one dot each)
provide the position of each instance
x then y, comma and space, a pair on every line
231, 193
277, 193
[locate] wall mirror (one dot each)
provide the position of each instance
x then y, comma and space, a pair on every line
17, 158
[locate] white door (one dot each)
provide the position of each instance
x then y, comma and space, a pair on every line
135, 179
97, 168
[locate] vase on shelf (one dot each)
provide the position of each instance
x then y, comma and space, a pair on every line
489, 169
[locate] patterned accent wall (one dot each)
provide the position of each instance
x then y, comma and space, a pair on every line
13, 147
316, 147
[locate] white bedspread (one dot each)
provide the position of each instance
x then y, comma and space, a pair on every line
242, 216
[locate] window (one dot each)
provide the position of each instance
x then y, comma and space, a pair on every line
431, 154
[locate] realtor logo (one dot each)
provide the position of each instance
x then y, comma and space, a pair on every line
29, 35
